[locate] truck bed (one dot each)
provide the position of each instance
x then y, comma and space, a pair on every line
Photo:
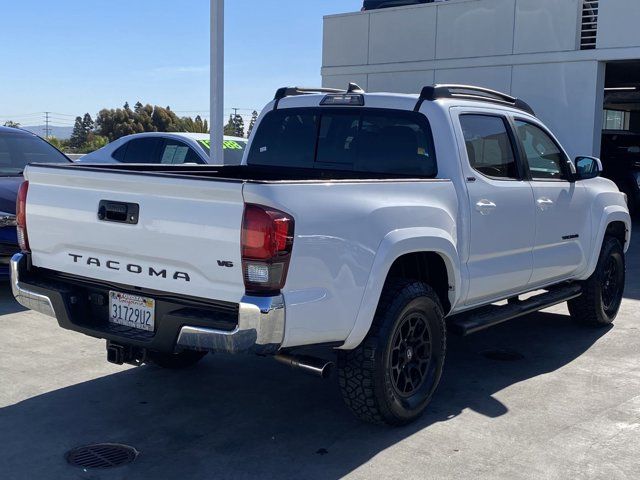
239, 173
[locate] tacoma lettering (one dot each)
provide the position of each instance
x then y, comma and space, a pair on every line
130, 267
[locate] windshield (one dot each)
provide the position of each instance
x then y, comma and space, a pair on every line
233, 150
17, 150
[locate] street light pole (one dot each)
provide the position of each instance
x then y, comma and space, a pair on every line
217, 81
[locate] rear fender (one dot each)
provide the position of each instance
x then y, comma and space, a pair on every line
393, 246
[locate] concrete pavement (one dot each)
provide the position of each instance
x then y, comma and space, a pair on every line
568, 409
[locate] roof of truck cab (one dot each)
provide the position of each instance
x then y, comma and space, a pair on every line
395, 101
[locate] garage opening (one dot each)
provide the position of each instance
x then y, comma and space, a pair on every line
621, 129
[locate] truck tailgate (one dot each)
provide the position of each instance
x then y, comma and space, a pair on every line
186, 239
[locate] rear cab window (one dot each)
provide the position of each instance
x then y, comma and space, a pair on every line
370, 140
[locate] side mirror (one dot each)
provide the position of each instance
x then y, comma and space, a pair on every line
588, 167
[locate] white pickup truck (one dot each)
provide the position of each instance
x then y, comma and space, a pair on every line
362, 223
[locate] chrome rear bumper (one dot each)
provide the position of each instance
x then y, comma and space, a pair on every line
24, 296
260, 327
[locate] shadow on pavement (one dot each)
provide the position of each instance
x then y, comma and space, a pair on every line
7, 302
247, 417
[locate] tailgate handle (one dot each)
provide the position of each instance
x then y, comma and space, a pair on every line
119, 212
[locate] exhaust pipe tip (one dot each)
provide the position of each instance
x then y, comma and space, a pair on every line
327, 370
312, 365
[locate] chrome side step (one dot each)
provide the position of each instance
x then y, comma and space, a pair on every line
467, 323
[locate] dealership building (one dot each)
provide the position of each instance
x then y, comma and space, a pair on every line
576, 62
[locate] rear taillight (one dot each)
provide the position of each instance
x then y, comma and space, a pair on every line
267, 241
21, 217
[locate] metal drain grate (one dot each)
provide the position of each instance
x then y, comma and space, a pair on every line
502, 355
101, 455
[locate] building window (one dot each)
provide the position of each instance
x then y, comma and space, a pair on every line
616, 120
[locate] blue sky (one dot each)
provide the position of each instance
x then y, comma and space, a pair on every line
74, 56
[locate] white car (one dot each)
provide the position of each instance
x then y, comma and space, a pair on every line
168, 148
360, 223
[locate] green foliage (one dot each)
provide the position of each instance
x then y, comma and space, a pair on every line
93, 143
238, 121
195, 126
12, 124
62, 145
110, 124
235, 126
252, 122
116, 123
82, 136
230, 127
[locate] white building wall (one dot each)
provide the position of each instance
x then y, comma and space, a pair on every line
618, 23
529, 48
564, 95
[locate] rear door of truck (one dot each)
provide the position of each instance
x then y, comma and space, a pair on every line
165, 233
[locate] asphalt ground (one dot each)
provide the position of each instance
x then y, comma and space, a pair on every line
567, 407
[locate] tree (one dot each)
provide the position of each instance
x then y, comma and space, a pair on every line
117, 123
87, 124
252, 122
62, 145
195, 126
93, 143
12, 124
78, 136
230, 127
164, 120
238, 123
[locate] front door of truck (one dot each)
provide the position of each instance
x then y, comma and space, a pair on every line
562, 213
501, 208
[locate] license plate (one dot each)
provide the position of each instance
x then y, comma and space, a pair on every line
132, 311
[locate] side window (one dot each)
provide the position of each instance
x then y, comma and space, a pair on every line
395, 143
543, 155
142, 150
175, 152
119, 154
489, 147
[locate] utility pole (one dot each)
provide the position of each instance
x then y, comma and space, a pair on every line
47, 130
216, 94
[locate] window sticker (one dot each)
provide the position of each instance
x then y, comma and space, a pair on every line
227, 144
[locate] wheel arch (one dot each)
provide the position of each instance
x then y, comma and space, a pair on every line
614, 221
437, 252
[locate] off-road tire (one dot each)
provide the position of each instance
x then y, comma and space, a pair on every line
591, 308
366, 375
176, 361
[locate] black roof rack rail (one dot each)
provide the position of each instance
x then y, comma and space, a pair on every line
469, 92
296, 91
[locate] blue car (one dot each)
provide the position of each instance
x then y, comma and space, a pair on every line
18, 148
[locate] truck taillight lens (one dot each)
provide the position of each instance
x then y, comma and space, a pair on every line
267, 241
21, 217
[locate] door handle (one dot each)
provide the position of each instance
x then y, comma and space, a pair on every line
485, 207
544, 203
